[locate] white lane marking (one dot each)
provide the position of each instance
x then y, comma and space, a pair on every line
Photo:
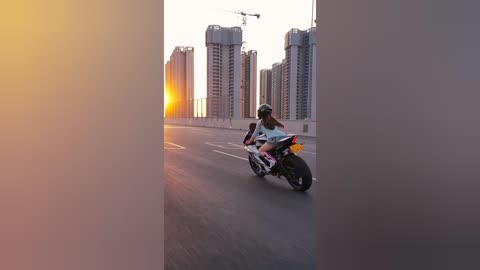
236, 144
202, 133
242, 158
309, 152
199, 131
224, 147
213, 144
178, 146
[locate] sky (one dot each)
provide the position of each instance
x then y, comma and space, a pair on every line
186, 22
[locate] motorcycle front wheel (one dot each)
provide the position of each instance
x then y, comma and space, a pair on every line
255, 167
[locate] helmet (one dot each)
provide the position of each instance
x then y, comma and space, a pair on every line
263, 110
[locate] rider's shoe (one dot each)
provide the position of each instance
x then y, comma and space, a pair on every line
264, 163
271, 160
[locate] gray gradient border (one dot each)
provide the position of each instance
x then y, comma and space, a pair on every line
398, 134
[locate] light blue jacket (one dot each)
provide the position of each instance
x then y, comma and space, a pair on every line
270, 133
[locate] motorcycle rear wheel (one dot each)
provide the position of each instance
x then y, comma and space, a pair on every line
299, 174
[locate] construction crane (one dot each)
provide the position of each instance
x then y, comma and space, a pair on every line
313, 8
244, 24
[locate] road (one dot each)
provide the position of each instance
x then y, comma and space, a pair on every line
219, 215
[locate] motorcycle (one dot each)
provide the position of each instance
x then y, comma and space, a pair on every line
287, 163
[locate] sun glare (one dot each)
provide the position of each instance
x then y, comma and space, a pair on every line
166, 99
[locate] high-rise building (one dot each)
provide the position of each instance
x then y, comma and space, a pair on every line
284, 99
179, 82
266, 86
277, 89
224, 71
300, 75
249, 84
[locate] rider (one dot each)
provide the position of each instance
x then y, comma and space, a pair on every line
267, 125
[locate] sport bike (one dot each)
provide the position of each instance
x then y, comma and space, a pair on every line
287, 163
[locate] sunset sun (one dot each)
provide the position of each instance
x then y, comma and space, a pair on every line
166, 99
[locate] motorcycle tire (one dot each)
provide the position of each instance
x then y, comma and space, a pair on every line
300, 176
255, 168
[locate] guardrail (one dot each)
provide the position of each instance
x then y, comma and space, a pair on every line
301, 127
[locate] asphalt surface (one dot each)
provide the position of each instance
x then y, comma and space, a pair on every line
219, 215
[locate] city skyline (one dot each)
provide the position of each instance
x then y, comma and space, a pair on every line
232, 77
264, 35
